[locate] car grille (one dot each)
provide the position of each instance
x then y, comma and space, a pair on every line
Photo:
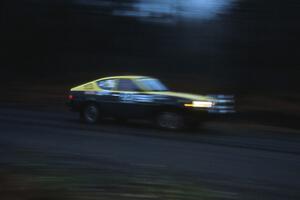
223, 104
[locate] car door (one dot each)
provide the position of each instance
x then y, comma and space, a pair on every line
132, 102
106, 96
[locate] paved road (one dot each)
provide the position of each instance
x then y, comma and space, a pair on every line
244, 161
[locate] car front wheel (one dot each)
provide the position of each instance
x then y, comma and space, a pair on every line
170, 121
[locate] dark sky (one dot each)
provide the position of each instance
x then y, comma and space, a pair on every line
248, 43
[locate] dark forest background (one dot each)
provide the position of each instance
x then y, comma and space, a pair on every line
253, 46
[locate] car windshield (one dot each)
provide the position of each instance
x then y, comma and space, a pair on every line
150, 84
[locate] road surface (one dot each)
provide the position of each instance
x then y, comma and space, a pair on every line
235, 160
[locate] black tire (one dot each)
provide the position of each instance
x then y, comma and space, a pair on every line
90, 113
170, 121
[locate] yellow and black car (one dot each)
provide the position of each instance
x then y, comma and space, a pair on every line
141, 97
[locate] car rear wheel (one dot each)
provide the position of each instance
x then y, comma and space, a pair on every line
170, 121
90, 113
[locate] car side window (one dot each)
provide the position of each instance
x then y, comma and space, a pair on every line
127, 85
107, 84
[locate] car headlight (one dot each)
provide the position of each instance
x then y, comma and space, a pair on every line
200, 104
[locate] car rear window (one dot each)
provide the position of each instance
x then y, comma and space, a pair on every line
107, 84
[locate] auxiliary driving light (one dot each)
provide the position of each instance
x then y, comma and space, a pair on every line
200, 104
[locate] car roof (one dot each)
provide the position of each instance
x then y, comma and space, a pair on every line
110, 77
123, 77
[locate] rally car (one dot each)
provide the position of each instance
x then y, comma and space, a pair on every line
142, 97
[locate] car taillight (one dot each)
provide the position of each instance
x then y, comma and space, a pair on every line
71, 97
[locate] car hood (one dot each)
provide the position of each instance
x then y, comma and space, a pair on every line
193, 97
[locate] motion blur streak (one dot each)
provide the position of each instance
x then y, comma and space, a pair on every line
109, 161
160, 10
